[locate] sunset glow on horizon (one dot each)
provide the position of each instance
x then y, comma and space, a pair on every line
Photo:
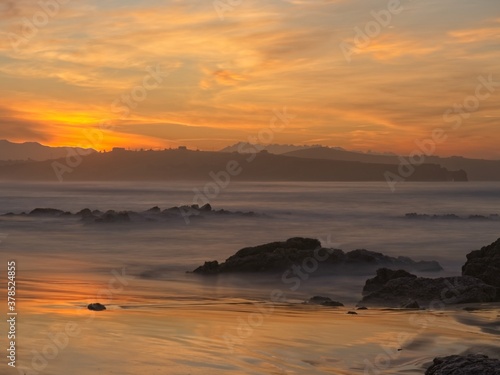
363, 75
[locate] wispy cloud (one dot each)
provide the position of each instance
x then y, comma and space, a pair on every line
230, 74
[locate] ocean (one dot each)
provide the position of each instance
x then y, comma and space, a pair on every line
162, 319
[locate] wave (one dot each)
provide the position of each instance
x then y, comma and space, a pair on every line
414, 215
154, 214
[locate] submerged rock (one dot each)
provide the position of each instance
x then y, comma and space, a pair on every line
308, 252
96, 307
206, 207
323, 301
484, 264
208, 268
114, 217
85, 212
410, 305
472, 364
154, 214
383, 276
448, 290
274, 256
46, 212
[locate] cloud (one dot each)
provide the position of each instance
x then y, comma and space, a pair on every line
476, 35
230, 75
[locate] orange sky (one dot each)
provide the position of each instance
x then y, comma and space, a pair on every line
220, 71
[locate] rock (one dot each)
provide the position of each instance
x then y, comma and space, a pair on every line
447, 290
352, 313
209, 268
46, 212
206, 207
96, 307
383, 276
323, 301
153, 214
114, 217
362, 308
85, 212
87, 216
281, 256
484, 264
274, 256
471, 308
472, 364
411, 305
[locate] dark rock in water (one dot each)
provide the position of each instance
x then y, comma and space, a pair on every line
208, 268
471, 308
85, 212
46, 212
446, 290
410, 305
154, 214
206, 207
485, 264
383, 276
281, 256
352, 313
422, 266
323, 301
96, 307
275, 256
472, 364
362, 256
362, 308
114, 217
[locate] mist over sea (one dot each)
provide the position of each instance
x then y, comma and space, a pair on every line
351, 215
160, 317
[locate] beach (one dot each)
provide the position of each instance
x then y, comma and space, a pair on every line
163, 319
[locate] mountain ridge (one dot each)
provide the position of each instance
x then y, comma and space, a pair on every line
183, 164
11, 151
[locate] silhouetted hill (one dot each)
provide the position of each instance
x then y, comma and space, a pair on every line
476, 169
340, 154
245, 147
33, 151
197, 165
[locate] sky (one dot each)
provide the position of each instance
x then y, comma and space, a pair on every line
364, 75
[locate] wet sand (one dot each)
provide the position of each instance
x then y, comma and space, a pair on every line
217, 335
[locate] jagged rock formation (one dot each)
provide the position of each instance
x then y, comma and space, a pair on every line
281, 256
484, 264
472, 364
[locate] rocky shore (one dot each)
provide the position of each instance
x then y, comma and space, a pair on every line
289, 255
154, 214
393, 286
479, 282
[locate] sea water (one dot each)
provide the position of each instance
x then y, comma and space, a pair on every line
163, 320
